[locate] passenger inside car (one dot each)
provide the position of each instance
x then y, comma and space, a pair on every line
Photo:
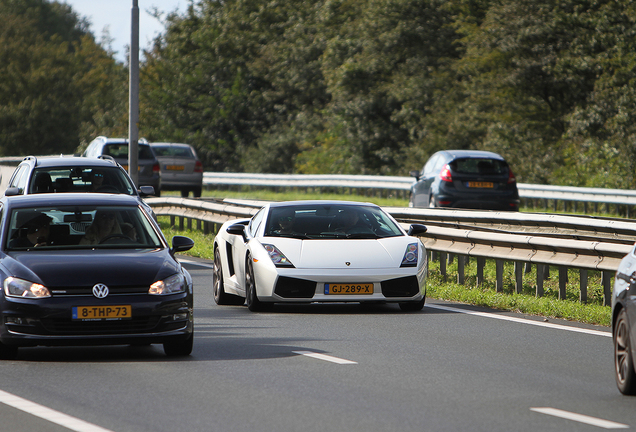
104, 225
33, 233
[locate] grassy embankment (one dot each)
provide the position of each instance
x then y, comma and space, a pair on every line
446, 288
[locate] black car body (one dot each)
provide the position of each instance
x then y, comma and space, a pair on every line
469, 179
127, 288
149, 171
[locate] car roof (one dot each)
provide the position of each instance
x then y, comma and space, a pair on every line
171, 144
455, 154
65, 199
74, 161
320, 202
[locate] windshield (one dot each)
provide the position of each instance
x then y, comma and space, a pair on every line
80, 179
330, 222
80, 227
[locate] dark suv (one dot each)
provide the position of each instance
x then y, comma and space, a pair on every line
117, 148
470, 179
73, 174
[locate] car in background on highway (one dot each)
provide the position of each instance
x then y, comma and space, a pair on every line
319, 252
468, 179
181, 169
90, 269
117, 148
74, 174
623, 319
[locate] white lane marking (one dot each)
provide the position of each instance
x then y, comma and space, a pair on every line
522, 321
605, 424
196, 263
324, 357
49, 414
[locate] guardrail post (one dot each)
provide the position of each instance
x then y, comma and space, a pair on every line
499, 266
563, 278
442, 264
461, 279
481, 262
583, 284
172, 220
518, 277
607, 288
540, 274
181, 223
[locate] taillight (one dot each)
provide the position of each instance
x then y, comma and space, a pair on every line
511, 176
198, 166
156, 169
445, 175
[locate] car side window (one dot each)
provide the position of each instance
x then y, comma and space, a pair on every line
256, 222
430, 165
20, 178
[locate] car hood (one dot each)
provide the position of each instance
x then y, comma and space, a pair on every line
88, 267
335, 254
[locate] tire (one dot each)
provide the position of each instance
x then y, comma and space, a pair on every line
220, 296
253, 303
414, 306
184, 193
196, 192
623, 361
179, 348
8, 352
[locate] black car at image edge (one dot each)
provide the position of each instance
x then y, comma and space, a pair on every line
64, 282
468, 179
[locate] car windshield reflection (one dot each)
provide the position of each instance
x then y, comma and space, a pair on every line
80, 227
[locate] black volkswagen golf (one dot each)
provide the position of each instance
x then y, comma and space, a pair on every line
90, 269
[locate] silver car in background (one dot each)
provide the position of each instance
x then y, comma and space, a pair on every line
181, 169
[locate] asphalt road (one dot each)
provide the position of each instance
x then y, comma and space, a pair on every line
327, 368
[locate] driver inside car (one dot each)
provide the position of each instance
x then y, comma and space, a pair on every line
104, 225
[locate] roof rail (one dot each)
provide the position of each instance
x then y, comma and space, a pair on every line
107, 157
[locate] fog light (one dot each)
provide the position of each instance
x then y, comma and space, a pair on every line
180, 316
14, 320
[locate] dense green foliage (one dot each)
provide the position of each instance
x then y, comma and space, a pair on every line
339, 86
57, 85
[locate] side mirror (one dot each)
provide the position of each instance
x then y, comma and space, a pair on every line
416, 229
146, 190
12, 191
236, 229
415, 174
181, 244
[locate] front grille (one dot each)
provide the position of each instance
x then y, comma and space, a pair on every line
88, 290
401, 287
288, 287
134, 325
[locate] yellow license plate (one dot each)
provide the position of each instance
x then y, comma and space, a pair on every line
349, 289
489, 185
175, 167
125, 167
102, 312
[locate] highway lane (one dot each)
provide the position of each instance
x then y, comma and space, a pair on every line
438, 370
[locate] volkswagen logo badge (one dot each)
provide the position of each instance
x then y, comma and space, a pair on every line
348, 263
100, 290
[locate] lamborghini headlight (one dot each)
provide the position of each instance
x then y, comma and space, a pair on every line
277, 257
15, 287
174, 284
410, 256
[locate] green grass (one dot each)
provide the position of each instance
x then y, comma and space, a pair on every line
446, 288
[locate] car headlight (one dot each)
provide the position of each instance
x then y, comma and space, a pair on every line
278, 258
410, 256
15, 287
173, 284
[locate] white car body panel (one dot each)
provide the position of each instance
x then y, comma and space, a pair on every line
346, 261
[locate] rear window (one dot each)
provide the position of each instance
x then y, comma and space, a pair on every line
80, 179
183, 152
479, 166
121, 151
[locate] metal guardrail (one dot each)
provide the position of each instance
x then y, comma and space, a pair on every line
541, 240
